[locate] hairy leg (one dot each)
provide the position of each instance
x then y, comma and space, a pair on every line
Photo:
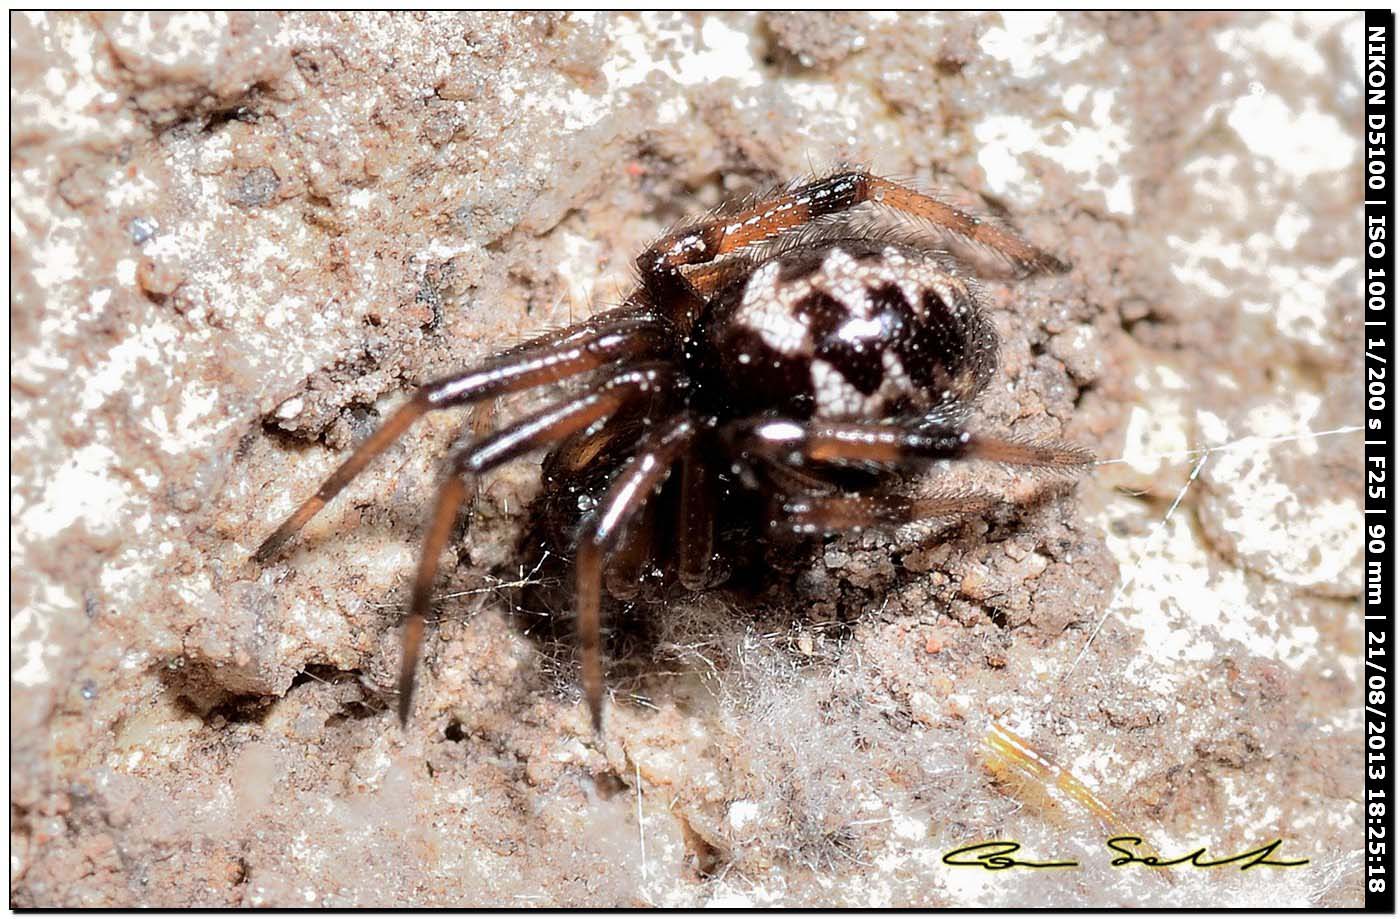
835, 513
796, 206
697, 523
627, 566
544, 428
793, 443
628, 494
585, 346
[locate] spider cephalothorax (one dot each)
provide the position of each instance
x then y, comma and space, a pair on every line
784, 362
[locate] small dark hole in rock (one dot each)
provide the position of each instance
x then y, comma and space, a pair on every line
708, 858
247, 709
608, 785
352, 711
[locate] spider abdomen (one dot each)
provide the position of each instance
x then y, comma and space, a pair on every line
846, 330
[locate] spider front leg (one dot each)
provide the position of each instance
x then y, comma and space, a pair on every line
588, 345
797, 206
626, 497
546, 427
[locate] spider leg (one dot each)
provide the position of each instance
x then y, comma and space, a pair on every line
451, 494
790, 442
799, 205
832, 513
624, 571
481, 419
1025, 258
627, 495
588, 345
697, 523
548, 426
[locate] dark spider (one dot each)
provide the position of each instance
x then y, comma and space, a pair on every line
790, 362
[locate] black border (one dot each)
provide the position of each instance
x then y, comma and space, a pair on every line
1378, 807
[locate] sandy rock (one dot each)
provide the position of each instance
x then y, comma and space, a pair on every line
238, 240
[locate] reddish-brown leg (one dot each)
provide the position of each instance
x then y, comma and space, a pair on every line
628, 493
449, 502
585, 346
481, 421
697, 524
575, 454
834, 513
799, 205
547, 426
1021, 255
794, 443
626, 568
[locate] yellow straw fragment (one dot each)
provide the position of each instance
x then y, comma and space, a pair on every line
1013, 761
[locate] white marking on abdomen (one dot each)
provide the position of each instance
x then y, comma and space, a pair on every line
767, 310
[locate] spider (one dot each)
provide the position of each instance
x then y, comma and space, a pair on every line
778, 367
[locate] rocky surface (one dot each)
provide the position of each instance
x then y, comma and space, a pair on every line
237, 241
